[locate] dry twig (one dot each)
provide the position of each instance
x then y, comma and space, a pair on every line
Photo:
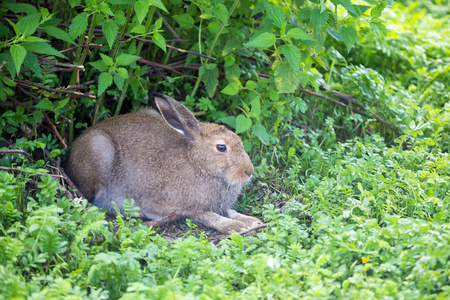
20, 152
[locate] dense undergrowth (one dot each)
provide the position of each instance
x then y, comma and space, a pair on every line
356, 209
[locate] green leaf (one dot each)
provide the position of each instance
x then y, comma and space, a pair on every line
378, 27
99, 65
126, 59
104, 81
159, 40
242, 124
375, 12
286, 80
105, 9
320, 18
107, 60
119, 81
158, 4
275, 15
185, 21
220, 11
292, 55
78, 26
120, 18
158, 24
18, 54
45, 104
211, 73
31, 62
347, 4
74, 3
348, 35
122, 72
263, 40
331, 31
110, 30
231, 89
28, 24
299, 34
139, 29
256, 107
260, 131
141, 8
59, 34
21, 8
9, 63
230, 121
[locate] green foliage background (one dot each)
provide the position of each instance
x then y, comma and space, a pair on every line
356, 208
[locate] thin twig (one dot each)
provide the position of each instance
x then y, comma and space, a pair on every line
30, 84
55, 130
18, 151
3, 64
19, 170
169, 28
59, 64
82, 46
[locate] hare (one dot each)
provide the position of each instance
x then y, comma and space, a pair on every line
168, 162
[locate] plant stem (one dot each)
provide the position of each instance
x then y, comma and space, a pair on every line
222, 26
130, 70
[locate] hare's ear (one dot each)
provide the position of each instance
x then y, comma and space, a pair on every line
177, 116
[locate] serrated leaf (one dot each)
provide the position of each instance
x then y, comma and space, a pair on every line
292, 55
122, 72
348, 35
211, 73
126, 59
256, 107
243, 124
110, 30
120, 17
275, 15
230, 121
347, 4
260, 131
375, 12
104, 8
299, 34
230, 46
231, 89
28, 24
78, 26
286, 80
158, 4
18, 54
378, 27
74, 3
31, 62
99, 65
320, 18
59, 34
264, 40
159, 40
185, 21
9, 63
119, 81
21, 8
141, 8
104, 81
107, 60
220, 11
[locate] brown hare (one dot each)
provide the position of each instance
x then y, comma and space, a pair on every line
168, 162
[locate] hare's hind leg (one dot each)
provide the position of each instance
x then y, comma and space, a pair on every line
220, 223
90, 166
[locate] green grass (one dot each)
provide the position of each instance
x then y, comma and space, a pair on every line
354, 211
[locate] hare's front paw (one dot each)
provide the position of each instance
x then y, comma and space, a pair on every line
220, 223
250, 221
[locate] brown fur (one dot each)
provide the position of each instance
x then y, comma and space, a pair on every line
167, 163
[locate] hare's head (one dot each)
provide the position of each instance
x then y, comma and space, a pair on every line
212, 148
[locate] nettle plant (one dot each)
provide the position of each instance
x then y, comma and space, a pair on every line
220, 49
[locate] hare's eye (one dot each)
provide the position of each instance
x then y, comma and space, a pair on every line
221, 147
